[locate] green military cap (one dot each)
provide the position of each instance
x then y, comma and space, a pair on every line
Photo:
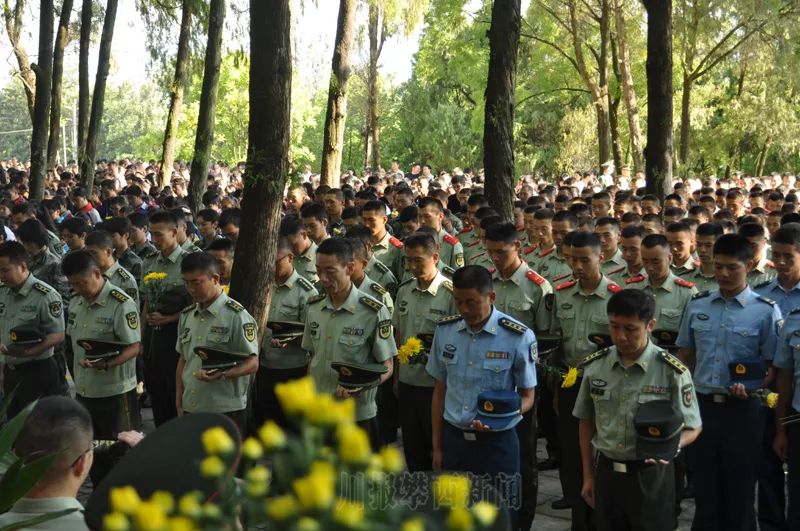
214, 358
356, 377
658, 430
601, 340
666, 338
167, 460
287, 332
23, 337
98, 350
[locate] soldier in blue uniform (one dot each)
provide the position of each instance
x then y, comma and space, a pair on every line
730, 325
479, 350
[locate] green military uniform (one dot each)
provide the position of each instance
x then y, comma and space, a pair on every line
376, 291
359, 331
54, 244
482, 259
379, 272
120, 277
687, 269
622, 275
473, 248
36, 305
522, 296
451, 252
613, 264
46, 266
535, 254
764, 271
189, 246
336, 227
702, 281
224, 325
389, 251
171, 265
466, 236
671, 299
109, 395
553, 267
132, 263
145, 250
306, 264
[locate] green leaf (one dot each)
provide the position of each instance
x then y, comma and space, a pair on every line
21, 478
37, 520
9, 433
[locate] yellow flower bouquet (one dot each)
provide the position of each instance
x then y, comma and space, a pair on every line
156, 286
415, 350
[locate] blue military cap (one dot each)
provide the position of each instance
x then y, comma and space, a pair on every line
750, 373
499, 410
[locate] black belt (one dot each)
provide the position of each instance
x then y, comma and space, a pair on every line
623, 467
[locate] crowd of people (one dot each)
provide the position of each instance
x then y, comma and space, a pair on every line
637, 336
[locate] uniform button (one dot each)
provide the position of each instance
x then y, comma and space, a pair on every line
466, 408
470, 364
619, 446
722, 326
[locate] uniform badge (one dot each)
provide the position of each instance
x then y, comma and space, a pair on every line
740, 369
385, 329
548, 301
133, 320
249, 331
702, 317
653, 431
488, 406
344, 371
314, 325
599, 383
566, 306
459, 260
202, 354
185, 337
452, 348
534, 353
55, 308
686, 395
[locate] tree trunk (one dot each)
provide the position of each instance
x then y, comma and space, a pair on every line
658, 153
377, 36
761, 161
601, 104
628, 89
336, 113
41, 109
179, 83
267, 158
498, 129
84, 97
13, 18
208, 106
686, 101
58, 73
99, 96
613, 108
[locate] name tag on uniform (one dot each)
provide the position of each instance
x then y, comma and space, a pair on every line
596, 391
218, 330
494, 355
654, 389
350, 331
438, 312
449, 355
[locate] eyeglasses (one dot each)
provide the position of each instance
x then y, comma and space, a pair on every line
90, 449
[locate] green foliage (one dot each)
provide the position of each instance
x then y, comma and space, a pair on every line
14, 117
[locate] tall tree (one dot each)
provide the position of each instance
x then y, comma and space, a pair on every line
658, 153
84, 97
98, 97
41, 109
336, 112
268, 155
177, 90
628, 89
13, 17
208, 105
62, 37
498, 131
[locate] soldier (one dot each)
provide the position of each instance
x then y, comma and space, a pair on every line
579, 313
361, 280
787, 434
530, 238
27, 211
703, 276
422, 301
652, 224
43, 264
73, 232
183, 236
601, 205
222, 250
28, 305
385, 248
229, 223
722, 327
607, 230
138, 235
208, 225
103, 313
764, 270
469, 233
626, 491
315, 222
784, 289
304, 250
476, 246
553, 266
375, 269
431, 214
101, 247
543, 231
120, 229
213, 322
164, 298
345, 325
333, 200
681, 244
483, 259
631, 247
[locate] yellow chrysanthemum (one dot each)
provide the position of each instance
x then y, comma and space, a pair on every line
164, 500
772, 400
415, 524
150, 517
306, 523
252, 449
281, 508
347, 513
392, 459
181, 523
212, 467
257, 481
327, 411
189, 505
216, 441
272, 436
485, 513
154, 276
569, 379
124, 499
115, 522
409, 349
459, 519
296, 396
212, 511
451, 490
354, 446
316, 490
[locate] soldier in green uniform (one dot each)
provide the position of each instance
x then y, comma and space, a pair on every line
223, 249
764, 270
120, 229
361, 280
681, 243
27, 211
304, 250
183, 237
422, 301
100, 245
626, 491
579, 312
553, 266
476, 246
28, 303
385, 248
431, 215
102, 312
631, 247
543, 230
214, 321
703, 276
469, 233
375, 269
333, 200
483, 259
164, 298
315, 221
607, 230
345, 325
138, 235
43, 263
281, 362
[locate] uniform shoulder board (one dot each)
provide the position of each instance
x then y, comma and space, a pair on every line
529, 249
452, 240
634, 280
613, 287
394, 241
152, 254
316, 298
466, 229
124, 274
673, 362
447, 270
233, 305
380, 266
535, 278
120, 296
514, 326
491, 270
562, 277
447, 285
189, 308
38, 286
765, 299
701, 295
794, 310
377, 288
305, 284
771, 264
593, 356
449, 319
370, 302
566, 285
547, 252
473, 244
685, 283
617, 270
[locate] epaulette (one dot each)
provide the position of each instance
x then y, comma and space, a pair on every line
634, 280
701, 295
521, 229
233, 305
447, 285
152, 254
697, 263
370, 302
614, 288
316, 298
795, 310
380, 266
121, 297
535, 277
43, 288
593, 356
491, 270
562, 277
305, 284
618, 270
124, 274
514, 326
449, 319
377, 288
476, 242
447, 270
394, 241
529, 249
189, 308
771, 264
547, 252
452, 240
685, 283
566, 285
765, 299
466, 229
672, 361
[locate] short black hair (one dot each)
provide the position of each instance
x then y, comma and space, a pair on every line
504, 232
166, 217
632, 302
208, 214
15, 252
75, 225
421, 240
374, 206
752, 230
632, 231
788, 234
734, 246
359, 232
477, 200
409, 213
222, 244
138, 220
585, 239
100, 238
631, 217
230, 216
78, 263
430, 202
655, 240
338, 247
312, 210
543, 214
32, 231
290, 225
117, 225
567, 216
709, 229
199, 261
608, 220
473, 277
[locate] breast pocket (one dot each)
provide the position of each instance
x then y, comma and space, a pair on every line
599, 323
290, 312
351, 348
566, 320
496, 374
601, 398
670, 319
703, 338
218, 338
745, 339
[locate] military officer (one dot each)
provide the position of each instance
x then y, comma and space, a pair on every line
346, 325
138, 235
787, 436
733, 324
103, 312
681, 243
631, 246
469, 234
30, 304
100, 245
483, 258
476, 246
431, 215
304, 250
542, 227
27, 211
333, 200
764, 269
553, 265
184, 239
214, 321
281, 363
375, 269
164, 298
315, 222
607, 230
784, 289
120, 229
361, 280
422, 301
385, 248
626, 492
703, 276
